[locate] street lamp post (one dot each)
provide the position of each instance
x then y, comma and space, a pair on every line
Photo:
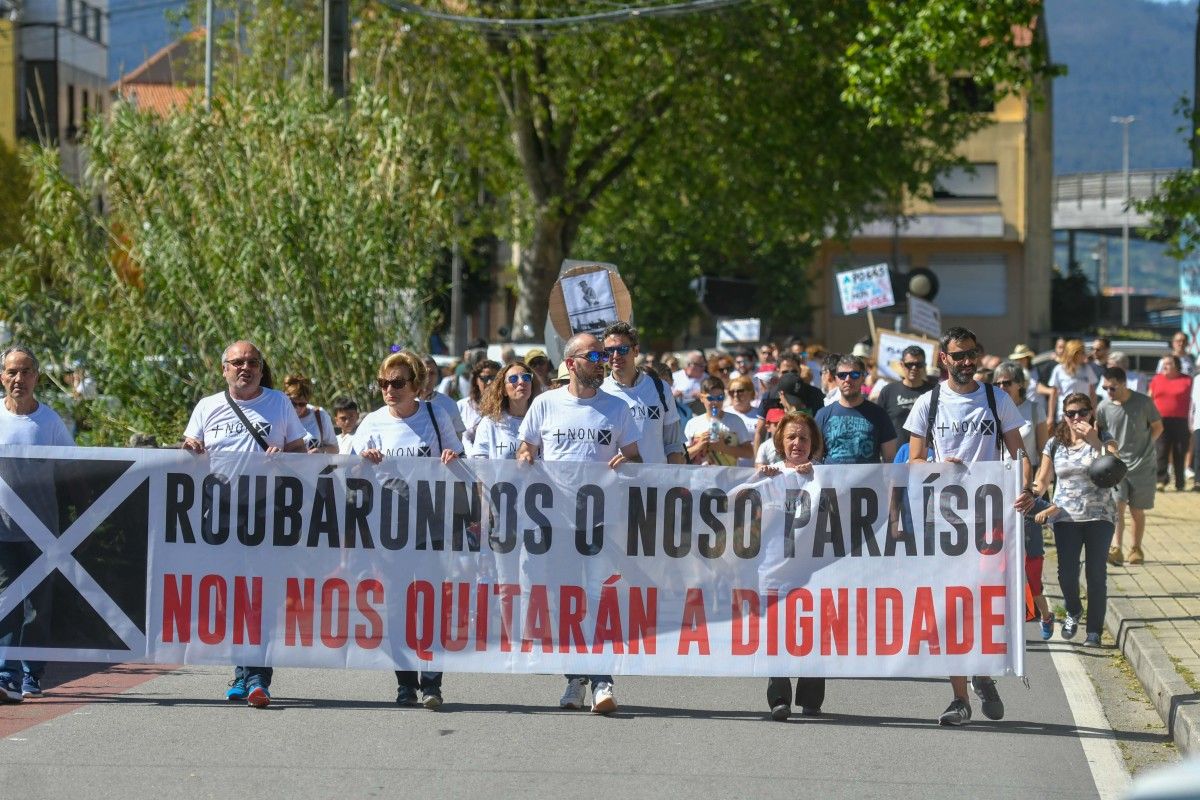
1125, 122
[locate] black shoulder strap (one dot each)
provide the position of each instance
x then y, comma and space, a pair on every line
250, 429
933, 406
662, 397
1053, 447
991, 398
320, 427
437, 430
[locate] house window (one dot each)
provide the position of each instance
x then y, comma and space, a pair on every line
71, 129
70, 15
972, 284
97, 22
967, 95
973, 182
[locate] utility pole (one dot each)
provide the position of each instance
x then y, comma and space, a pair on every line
458, 338
1125, 122
208, 54
336, 46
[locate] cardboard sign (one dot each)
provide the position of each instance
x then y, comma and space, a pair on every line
866, 287
924, 317
891, 346
587, 297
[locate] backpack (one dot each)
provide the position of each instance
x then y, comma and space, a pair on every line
989, 390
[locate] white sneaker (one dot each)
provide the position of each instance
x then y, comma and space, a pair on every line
603, 700
574, 695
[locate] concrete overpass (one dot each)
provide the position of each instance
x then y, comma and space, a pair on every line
1095, 201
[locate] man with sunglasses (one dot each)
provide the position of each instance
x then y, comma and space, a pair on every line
898, 397
856, 431
1133, 420
650, 402
716, 438
581, 423
970, 422
218, 426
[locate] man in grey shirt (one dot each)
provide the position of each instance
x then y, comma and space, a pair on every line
1133, 420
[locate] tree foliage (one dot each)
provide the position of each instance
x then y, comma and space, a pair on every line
282, 217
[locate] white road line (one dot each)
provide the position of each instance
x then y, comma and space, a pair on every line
1100, 749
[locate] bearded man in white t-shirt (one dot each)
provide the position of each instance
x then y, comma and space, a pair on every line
25, 421
580, 423
971, 422
217, 427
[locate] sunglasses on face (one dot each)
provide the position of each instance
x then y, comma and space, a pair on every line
715, 398
299, 404
253, 363
1005, 384
523, 377
852, 375
592, 356
914, 365
618, 350
964, 355
1075, 413
487, 379
737, 392
394, 383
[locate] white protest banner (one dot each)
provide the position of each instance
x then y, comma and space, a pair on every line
891, 345
738, 331
924, 317
866, 287
488, 566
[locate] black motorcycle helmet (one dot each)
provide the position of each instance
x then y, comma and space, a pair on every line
1107, 471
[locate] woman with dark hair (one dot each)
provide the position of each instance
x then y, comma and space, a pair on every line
482, 374
1083, 514
502, 408
800, 446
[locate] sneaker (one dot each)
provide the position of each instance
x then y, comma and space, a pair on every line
1114, 556
10, 691
957, 713
259, 697
406, 696
431, 700
31, 687
573, 697
603, 700
1092, 640
1070, 625
781, 712
810, 711
1135, 556
1047, 628
985, 689
237, 689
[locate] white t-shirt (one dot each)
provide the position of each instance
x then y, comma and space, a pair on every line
217, 426
1033, 417
447, 405
468, 413
345, 440
43, 427
570, 428
750, 420
964, 426
731, 430
498, 440
321, 432
766, 452
1083, 381
648, 414
413, 436
690, 387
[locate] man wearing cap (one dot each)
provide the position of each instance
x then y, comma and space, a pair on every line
898, 397
764, 452
537, 361
649, 399
1133, 420
1035, 391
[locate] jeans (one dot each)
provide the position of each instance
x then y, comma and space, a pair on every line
1172, 446
1092, 538
810, 692
428, 682
593, 679
33, 615
253, 675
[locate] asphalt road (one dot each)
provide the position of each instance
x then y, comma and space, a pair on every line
338, 734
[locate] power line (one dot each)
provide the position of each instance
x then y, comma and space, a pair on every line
613, 16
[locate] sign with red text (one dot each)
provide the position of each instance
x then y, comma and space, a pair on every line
488, 566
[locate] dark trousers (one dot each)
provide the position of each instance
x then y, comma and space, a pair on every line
1172, 446
1092, 539
810, 692
425, 681
250, 674
31, 623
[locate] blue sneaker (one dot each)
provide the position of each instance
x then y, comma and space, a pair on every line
1047, 628
10, 690
258, 697
237, 689
30, 687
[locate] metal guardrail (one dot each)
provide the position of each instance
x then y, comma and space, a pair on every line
1107, 187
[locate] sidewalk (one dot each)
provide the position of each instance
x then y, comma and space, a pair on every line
1154, 613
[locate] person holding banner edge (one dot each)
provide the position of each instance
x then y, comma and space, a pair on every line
555, 422
965, 422
245, 418
408, 427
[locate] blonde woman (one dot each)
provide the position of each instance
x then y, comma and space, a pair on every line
320, 436
1070, 376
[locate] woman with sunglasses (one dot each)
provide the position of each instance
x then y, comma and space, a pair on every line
740, 403
1083, 514
502, 408
320, 436
407, 427
482, 374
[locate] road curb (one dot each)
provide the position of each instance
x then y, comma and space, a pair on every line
1177, 703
